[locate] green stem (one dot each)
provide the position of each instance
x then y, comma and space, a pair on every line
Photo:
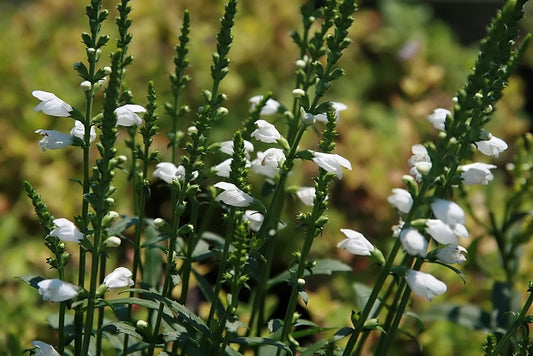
372, 298
220, 275
270, 221
518, 321
100, 321
93, 285
191, 244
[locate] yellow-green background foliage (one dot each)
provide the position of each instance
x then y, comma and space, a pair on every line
403, 63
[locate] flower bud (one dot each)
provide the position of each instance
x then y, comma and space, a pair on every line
107, 70
141, 324
192, 130
222, 111
300, 63
112, 241
301, 281
86, 85
298, 93
158, 222
308, 118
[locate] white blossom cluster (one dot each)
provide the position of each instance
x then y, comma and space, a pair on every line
447, 226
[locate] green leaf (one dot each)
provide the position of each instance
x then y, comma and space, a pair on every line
362, 292
323, 267
121, 327
469, 316
311, 350
257, 341
31, 280
122, 225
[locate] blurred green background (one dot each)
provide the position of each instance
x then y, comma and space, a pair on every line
407, 58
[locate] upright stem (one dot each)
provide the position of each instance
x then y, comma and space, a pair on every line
518, 321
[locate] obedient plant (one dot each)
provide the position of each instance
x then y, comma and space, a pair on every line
216, 217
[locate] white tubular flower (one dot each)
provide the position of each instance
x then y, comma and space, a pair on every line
66, 231
79, 131
448, 211
57, 290
419, 161
227, 147
306, 195
413, 242
441, 232
424, 284
271, 107
43, 349
53, 140
255, 218
452, 254
356, 243
265, 132
477, 173
223, 169
51, 104
119, 278
492, 147
332, 162
401, 199
232, 195
167, 172
338, 107
438, 118
268, 163
127, 115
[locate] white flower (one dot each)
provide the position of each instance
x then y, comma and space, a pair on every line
424, 284
227, 147
420, 161
167, 171
438, 118
401, 199
492, 147
268, 163
477, 173
332, 162
127, 115
119, 278
413, 242
66, 231
53, 140
265, 132
452, 254
338, 107
232, 195
44, 349
223, 169
441, 232
51, 104
79, 131
448, 211
356, 243
57, 290
271, 107
255, 218
306, 195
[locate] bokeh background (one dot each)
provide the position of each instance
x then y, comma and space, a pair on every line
407, 58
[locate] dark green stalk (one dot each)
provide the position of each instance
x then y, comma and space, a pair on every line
405, 291
101, 309
270, 222
141, 187
178, 82
102, 189
520, 320
220, 279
